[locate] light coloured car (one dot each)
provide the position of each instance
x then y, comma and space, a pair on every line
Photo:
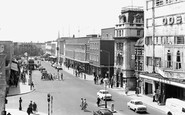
137, 105
104, 94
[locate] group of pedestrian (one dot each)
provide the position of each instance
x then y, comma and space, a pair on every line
32, 108
83, 104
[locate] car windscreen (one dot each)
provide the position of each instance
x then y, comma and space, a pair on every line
139, 103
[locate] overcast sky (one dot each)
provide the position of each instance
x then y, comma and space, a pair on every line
42, 20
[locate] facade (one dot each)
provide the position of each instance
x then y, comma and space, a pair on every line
101, 57
164, 61
129, 29
139, 60
61, 51
76, 53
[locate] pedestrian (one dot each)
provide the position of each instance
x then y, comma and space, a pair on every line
29, 110
62, 76
154, 96
31, 107
98, 101
34, 107
84, 76
82, 103
32, 85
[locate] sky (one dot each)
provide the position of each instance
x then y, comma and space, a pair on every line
45, 20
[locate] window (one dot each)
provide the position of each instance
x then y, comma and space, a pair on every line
138, 32
148, 40
179, 40
157, 62
159, 2
149, 61
169, 59
178, 60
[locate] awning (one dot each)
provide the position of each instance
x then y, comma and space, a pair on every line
160, 78
14, 66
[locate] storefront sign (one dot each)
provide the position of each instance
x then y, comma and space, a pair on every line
165, 81
172, 20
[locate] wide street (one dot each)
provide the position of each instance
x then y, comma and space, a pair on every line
67, 95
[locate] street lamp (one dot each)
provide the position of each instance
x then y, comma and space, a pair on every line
107, 79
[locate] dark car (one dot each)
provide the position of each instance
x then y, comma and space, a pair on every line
103, 111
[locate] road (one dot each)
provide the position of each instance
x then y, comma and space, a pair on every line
67, 95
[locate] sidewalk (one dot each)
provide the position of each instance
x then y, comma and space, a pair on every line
131, 94
20, 89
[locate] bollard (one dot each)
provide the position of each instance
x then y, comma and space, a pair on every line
112, 107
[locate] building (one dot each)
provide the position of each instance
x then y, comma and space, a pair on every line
139, 60
6, 54
101, 57
164, 49
129, 29
76, 53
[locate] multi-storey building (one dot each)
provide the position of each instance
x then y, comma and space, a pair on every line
101, 57
127, 32
164, 49
76, 53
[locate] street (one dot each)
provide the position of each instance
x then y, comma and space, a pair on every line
67, 94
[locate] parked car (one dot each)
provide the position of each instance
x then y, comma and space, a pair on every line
103, 111
137, 105
59, 67
175, 106
104, 94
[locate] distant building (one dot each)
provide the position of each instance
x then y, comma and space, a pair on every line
129, 29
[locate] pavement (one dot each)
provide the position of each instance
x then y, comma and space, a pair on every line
25, 88
22, 88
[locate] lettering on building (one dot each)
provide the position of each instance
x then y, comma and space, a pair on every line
170, 20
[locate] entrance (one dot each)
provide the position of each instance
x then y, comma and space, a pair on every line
148, 88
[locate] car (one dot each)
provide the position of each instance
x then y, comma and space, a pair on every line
54, 65
104, 94
103, 111
59, 67
136, 105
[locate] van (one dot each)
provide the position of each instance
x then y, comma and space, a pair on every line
175, 106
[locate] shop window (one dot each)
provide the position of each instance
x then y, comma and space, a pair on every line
169, 59
178, 60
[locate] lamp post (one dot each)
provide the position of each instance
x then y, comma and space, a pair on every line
107, 79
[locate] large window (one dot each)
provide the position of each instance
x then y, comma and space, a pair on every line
157, 61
